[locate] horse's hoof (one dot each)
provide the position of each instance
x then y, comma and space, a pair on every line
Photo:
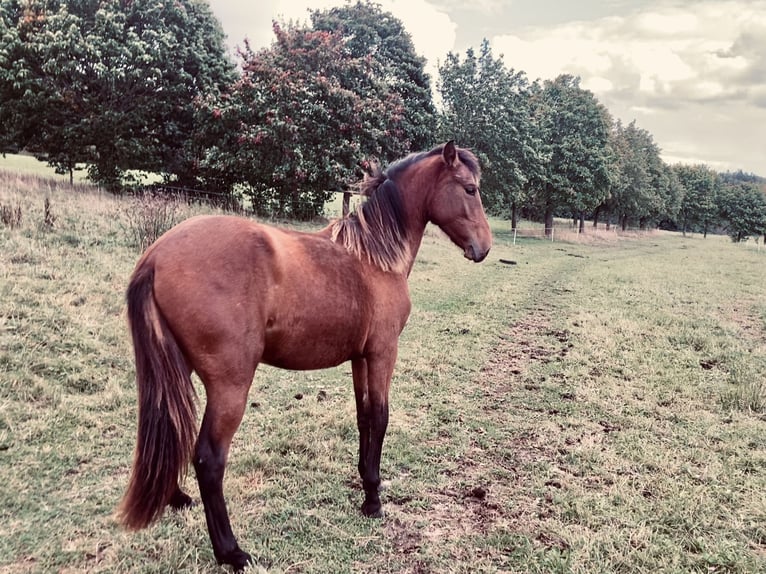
372, 510
180, 500
238, 560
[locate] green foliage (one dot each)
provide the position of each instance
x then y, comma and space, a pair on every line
574, 128
644, 189
108, 83
303, 117
369, 32
698, 211
486, 107
743, 210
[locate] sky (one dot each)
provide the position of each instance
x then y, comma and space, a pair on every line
690, 72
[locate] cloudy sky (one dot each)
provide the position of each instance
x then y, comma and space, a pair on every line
691, 72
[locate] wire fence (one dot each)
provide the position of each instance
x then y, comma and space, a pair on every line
569, 233
344, 202
340, 204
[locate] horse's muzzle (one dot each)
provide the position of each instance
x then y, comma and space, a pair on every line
475, 253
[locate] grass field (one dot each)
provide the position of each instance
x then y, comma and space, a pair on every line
586, 406
28, 165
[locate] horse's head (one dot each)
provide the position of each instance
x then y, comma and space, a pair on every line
454, 203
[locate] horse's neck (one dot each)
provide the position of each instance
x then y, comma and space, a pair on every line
416, 226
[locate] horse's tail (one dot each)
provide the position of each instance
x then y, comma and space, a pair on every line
166, 407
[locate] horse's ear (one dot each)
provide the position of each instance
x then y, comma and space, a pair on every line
449, 154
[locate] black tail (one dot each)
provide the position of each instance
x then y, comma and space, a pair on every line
167, 412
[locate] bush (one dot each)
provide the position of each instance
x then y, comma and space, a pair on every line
49, 219
10, 215
149, 216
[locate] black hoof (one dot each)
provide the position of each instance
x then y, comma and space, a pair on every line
372, 509
180, 500
237, 559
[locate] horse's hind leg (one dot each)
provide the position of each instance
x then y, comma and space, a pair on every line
180, 499
226, 400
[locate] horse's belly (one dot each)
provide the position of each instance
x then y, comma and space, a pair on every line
306, 345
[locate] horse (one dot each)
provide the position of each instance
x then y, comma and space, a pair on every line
217, 295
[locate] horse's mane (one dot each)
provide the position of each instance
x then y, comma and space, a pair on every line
376, 230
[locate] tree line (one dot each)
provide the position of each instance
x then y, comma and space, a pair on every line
129, 86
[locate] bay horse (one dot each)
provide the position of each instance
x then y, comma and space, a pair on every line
218, 295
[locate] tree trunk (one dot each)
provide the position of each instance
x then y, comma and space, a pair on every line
71, 176
581, 229
595, 217
346, 203
514, 215
548, 220
624, 222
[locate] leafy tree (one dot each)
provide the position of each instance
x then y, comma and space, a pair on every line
743, 209
486, 106
698, 210
574, 128
21, 96
110, 83
673, 194
369, 32
740, 176
644, 190
300, 121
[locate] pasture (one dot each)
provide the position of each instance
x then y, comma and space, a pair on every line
594, 406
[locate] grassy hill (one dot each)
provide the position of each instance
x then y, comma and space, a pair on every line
583, 406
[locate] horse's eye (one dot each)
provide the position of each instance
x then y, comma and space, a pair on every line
471, 189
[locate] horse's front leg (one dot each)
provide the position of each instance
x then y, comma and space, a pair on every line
372, 379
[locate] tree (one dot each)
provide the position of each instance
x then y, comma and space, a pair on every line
631, 184
743, 209
299, 123
574, 129
110, 83
699, 210
644, 190
486, 106
370, 33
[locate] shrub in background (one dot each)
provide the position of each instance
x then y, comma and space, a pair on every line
149, 216
10, 215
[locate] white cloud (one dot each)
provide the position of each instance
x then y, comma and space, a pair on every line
598, 84
433, 32
679, 69
670, 23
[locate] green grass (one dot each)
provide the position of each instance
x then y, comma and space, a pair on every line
28, 165
598, 406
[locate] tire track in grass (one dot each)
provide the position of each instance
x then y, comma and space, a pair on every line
477, 509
